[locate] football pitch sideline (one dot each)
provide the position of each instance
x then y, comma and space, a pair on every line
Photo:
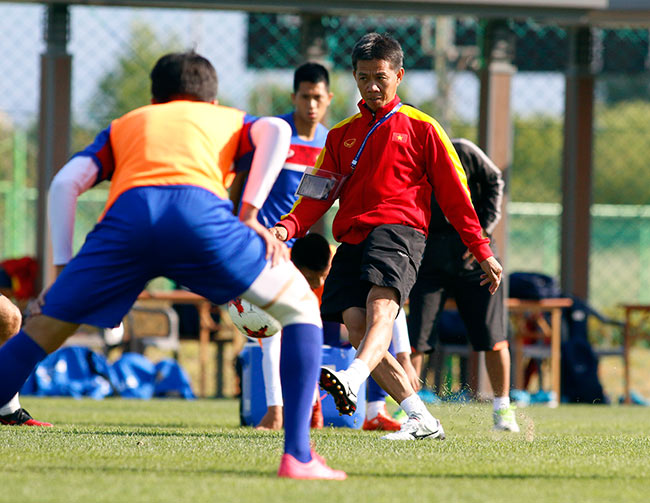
169, 450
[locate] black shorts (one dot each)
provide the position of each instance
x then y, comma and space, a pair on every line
390, 256
444, 274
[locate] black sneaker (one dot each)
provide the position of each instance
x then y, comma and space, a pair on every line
337, 386
21, 418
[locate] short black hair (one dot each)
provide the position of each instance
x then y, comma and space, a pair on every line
311, 252
310, 72
183, 75
378, 46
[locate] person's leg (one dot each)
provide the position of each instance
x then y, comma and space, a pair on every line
381, 310
10, 319
484, 317
401, 344
417, 360
497, 363
426, 302
377, 417
97, 287
285, 294
227, 259
12, 413
271, 346
390, 375
20, 354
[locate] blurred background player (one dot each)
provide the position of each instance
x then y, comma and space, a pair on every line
448, 269
168, 214
11, 413
311, 98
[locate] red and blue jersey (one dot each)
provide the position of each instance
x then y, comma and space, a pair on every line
302, 155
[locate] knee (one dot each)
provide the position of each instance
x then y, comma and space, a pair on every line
297, 304
10, 319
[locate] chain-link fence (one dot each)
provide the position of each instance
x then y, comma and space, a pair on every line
113, 50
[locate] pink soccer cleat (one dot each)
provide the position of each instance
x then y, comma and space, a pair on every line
316, 469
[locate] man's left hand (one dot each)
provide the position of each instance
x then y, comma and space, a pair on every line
492, 272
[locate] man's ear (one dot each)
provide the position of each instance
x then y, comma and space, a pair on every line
400, 75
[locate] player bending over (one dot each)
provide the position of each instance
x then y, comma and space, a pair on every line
168, 214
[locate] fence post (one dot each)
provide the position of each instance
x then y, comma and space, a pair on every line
577, 165
495, 122
54, 125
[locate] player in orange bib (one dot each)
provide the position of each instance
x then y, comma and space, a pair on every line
168, 214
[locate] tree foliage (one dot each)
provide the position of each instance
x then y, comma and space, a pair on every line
126, 85
621, 152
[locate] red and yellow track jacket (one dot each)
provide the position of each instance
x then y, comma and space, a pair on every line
404, 159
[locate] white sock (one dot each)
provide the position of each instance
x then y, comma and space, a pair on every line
357, 373
412, 405
501, 402
11, 406
374, 408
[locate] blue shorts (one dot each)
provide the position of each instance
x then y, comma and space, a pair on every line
184, 233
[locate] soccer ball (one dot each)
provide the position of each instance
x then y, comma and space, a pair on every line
251, 320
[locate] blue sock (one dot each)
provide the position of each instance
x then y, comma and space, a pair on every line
374, 392
300, 360
18, 357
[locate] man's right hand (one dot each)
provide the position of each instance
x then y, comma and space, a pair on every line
279, 232
34, 306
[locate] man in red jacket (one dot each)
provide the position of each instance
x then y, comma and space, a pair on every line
383, 164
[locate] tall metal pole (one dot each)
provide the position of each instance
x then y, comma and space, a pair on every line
495, 133
577, 165
54, 124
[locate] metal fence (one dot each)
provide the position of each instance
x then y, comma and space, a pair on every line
113, 50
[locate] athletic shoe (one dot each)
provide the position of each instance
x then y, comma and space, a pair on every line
317, 421
418, 427
21, 418
315, 469
505, 420
381, 421
336, 385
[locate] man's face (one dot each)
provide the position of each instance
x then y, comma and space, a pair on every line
311, 101
377, 82
316, 279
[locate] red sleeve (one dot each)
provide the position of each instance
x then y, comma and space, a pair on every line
307, 211
452, 194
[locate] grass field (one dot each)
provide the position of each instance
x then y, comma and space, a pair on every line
117, 450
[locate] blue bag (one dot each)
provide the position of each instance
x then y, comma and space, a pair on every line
172, 380
135, 376
71, 371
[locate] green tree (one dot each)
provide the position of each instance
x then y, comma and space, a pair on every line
621, 151
125, 86
269, 99
535, 174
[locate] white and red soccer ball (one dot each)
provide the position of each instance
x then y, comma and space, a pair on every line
251, 320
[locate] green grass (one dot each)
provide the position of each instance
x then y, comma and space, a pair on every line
118, 450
